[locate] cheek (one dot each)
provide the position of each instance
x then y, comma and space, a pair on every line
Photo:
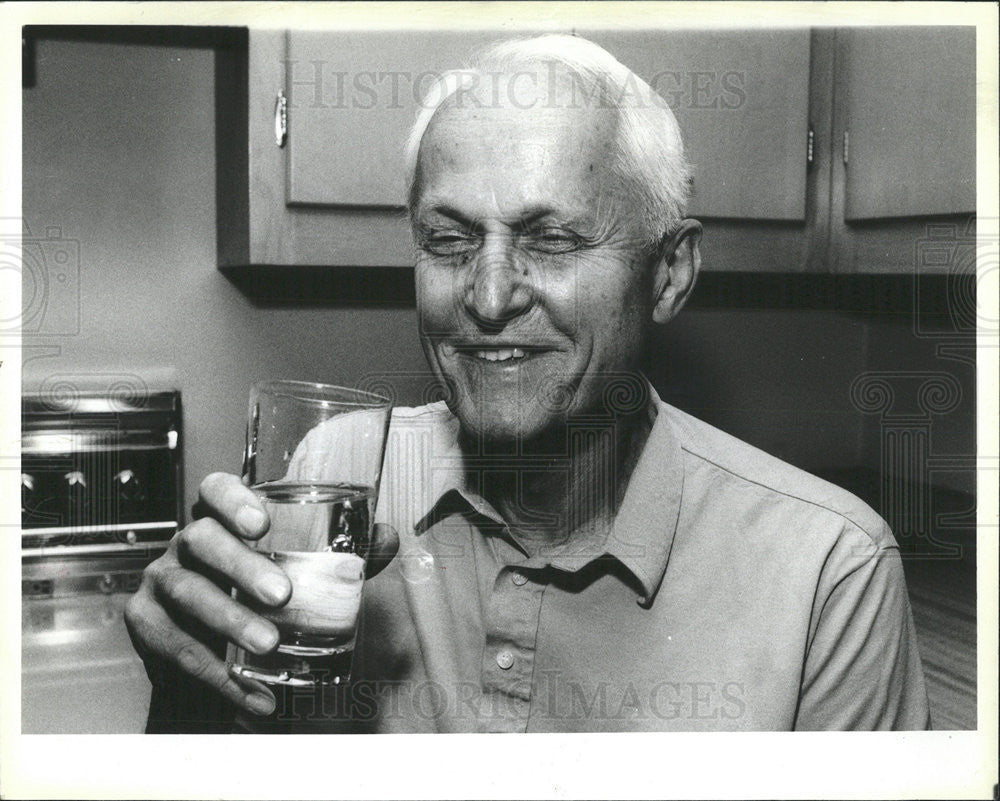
614, 312
435, 301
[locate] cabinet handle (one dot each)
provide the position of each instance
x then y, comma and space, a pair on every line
847, 145
280, 119
810, 145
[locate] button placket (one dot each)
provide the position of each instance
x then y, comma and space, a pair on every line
508, 656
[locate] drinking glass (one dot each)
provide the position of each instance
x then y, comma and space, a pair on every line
314, 457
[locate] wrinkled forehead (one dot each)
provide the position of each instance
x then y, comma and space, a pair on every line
526, 132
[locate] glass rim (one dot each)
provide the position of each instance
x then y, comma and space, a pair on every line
317, 392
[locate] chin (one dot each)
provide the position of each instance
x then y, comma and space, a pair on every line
512, 434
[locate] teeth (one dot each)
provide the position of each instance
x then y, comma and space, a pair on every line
500, 355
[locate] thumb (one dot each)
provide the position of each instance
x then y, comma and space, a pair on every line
382, 548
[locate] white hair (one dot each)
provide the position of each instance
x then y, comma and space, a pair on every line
650, 153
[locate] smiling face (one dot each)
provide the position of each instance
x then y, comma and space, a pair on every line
532, 292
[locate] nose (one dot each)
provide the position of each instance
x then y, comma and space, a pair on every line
497, 288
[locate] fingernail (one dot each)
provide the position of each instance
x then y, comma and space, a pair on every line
250, 520
260, 704
273, 588
260, 637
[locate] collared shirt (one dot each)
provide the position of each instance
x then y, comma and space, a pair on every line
731, 591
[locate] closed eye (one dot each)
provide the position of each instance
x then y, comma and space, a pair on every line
553, 240
448, 243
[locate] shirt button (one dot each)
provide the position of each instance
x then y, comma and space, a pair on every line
519, 578
505, 659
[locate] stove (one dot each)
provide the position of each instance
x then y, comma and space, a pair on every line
100, 498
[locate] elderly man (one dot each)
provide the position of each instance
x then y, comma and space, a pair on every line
574, 554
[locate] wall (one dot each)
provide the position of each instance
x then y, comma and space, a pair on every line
119, 156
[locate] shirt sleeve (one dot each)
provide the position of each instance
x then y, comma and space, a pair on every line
862, 668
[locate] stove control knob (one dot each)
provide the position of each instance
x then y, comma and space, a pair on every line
76, 479
77, 495
128, 488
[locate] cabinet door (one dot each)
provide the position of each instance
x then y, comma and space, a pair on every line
353, 96
908, 100
333, 194
257, 227
904, 135
741, 98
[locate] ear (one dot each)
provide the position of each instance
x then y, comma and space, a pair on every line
676, 270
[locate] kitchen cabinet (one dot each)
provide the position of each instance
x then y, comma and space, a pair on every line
904, 128
764, 115
352, 97
257, 225
740, 97
331, 193
910, 147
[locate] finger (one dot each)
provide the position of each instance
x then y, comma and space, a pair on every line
207, 544
236, 506
250, 686
168, 643
192, 595
383, 547
206, 636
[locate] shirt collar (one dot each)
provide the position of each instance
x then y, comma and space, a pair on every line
643, 530
641, 534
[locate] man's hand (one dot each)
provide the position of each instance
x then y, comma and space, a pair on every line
184, 601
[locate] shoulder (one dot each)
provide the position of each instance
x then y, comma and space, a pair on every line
432, 421
422, 458
429, 412
736, 468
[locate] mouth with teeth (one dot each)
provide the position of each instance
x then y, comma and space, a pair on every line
506, 356
499, 354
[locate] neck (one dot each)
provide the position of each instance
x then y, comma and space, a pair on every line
567, 484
